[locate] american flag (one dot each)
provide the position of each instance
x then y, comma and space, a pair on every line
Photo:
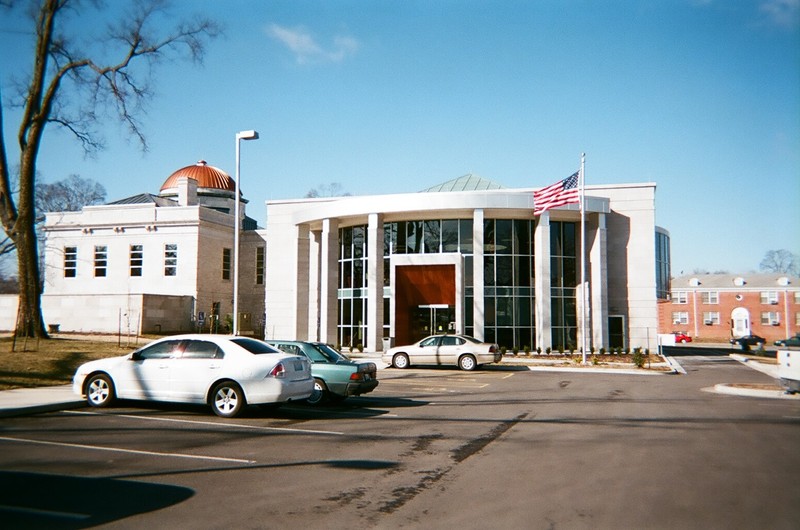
562, 192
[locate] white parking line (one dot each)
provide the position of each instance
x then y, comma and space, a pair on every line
128, 451
212, 423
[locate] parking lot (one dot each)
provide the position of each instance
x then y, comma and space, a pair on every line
428, 448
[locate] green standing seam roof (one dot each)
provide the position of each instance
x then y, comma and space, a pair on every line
468, 182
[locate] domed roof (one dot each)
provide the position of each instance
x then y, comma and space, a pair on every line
205, 175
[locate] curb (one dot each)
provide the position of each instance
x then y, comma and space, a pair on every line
37, 409
734, 390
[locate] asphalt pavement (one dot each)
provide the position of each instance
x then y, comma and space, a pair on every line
24, 401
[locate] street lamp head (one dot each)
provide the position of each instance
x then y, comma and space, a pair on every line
247, 135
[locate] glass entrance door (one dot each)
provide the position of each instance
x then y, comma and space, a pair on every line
432, 319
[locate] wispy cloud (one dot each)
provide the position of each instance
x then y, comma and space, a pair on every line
306, 49
781, 13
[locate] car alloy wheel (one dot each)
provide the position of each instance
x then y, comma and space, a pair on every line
227, 399
99, 390
320, 394
400, 360
467, 362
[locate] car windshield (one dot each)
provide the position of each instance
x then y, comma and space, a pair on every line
328, 353
254, 346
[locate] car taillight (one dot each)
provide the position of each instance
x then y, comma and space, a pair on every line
356, 376
278, 371
492, 349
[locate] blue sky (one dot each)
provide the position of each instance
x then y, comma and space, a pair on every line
700, 97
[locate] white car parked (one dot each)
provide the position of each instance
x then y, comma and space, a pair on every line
460, 350
223, 371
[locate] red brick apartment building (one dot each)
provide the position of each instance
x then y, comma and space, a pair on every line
716, 307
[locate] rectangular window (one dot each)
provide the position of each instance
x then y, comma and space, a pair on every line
136, 259
226, 264
711, 318
797, 320
769, 297
797, 297
100, 260
680, 317
170, 259
259, 265
70, 262
709, 297
770, 318
680, 297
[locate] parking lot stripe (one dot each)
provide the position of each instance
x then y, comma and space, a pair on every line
212, 423
129, 451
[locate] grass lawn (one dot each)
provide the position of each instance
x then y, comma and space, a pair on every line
51, 362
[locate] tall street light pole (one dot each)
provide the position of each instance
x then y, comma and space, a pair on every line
242, 135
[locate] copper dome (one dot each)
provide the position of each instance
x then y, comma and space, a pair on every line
205, 175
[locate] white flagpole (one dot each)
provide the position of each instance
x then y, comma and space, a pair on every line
581, 183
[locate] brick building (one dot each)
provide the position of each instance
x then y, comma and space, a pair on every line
716, 307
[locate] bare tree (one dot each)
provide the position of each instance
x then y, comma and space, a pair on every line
780, 261
72, 88
334, 189
68, 195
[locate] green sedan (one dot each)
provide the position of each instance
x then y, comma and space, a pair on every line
335, 376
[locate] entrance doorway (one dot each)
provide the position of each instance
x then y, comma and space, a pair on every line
432, 319
616, 331
741, 322
425, 298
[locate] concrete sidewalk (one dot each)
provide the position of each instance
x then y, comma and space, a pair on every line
24, 401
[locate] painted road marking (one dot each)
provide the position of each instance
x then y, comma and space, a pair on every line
211, 423
127, 451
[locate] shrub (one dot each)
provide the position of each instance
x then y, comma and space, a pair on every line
639, 358
538, 350
548, 350
595, 360
360, 347
527, 350
602, 350
503, 350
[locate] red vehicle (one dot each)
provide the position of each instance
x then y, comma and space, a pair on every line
681, 336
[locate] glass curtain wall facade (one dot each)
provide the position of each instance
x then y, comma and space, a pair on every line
352, 292
662, 266
563, 281
428, 237
509, 290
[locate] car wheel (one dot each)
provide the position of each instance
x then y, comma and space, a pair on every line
467, 362
227, 399
320, 394
683, 341
100, 391
400, 360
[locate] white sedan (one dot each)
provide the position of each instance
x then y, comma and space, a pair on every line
461, 350
223, 371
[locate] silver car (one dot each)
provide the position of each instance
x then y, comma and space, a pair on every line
459, 350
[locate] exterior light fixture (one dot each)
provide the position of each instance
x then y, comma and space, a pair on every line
242, 135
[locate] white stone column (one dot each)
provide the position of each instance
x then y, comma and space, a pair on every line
478, 304
599, 281
315, 247
328, 281
301, 296
375, 283
541, 243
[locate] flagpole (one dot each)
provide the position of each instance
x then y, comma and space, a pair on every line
581, 180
